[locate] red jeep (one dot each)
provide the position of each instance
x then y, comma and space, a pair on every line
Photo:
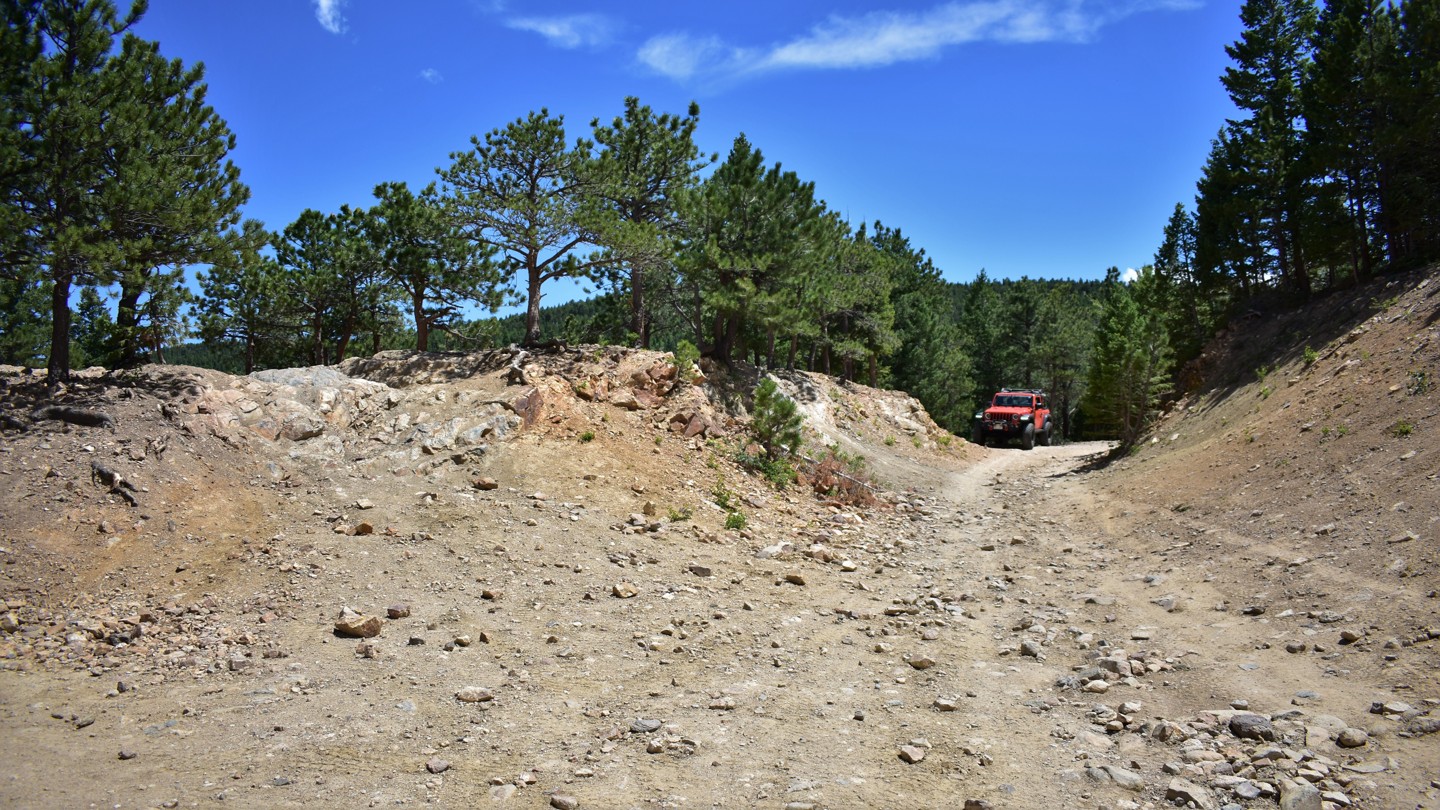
1015, 413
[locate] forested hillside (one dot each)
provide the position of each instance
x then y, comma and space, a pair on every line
1328, 174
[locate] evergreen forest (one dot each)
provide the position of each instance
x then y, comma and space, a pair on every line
123, 238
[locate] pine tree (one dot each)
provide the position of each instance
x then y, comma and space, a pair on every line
1130, 363
1342, 112
1407, 142
749, 231
777, 422
980, 323
423, 254
1062, 351
24, 321
1231, 250
930, 361
306, 252
120, 167
631, 191
1191, 308
517, 192
240, 298
91, 331
1271, 58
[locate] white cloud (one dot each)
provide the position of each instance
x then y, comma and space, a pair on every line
574, 31
884, 38
432, 76
1129, 275
681, 56
328, 13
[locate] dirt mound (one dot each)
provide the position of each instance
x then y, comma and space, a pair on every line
544, 579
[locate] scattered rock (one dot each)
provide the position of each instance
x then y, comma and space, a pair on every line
1183, 790
624, 590
474, 694
1299, 795
1248, 726
356, 625
437, 765
1352, 738
911, 754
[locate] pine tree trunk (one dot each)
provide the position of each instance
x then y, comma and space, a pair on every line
58, 368
639, 323
318, 350
532, 307
346, 333
127, 323
422, 324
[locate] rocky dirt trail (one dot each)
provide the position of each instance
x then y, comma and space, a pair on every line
561, 617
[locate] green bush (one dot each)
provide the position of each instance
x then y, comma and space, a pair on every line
722, 495
587, 436
776, 422
735, 520
686, 355
779, 471
1310, 356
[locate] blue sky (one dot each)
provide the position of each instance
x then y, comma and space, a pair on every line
1047, 138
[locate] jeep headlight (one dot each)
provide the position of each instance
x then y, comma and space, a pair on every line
1026, 417
980, 415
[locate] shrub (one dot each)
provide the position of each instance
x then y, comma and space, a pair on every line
1310, 356
842, 477
778, 471
686, 355
735, 520
587, 436
1400, 429
776, 422
722, 495
1419, 383
682, 514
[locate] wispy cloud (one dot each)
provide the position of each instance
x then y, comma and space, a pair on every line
885, 38
328, 13
574, 31
681, 56
432, 76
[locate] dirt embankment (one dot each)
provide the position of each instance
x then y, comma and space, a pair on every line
571, 613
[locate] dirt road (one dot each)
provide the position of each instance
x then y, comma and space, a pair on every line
931, 652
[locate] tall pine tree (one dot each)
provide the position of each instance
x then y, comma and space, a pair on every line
120, 167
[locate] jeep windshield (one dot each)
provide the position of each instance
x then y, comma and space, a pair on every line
1012, 402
